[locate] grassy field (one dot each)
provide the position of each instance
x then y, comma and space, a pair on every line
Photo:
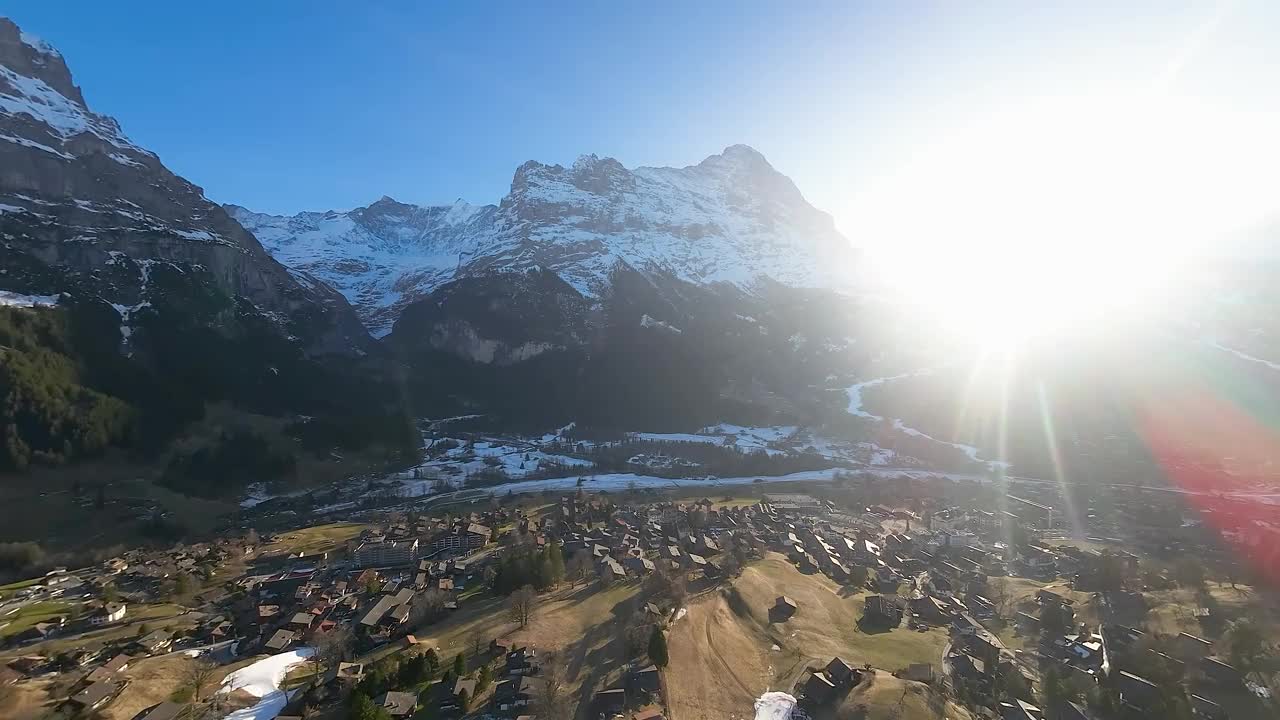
726, 652
885, 697
11, 588
578, 626
159, 615
314, 540
37, 612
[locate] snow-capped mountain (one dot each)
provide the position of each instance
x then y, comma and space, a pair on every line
381, 257
82, 204
731, 219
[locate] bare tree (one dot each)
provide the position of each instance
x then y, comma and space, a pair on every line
331, 648
579, 568
552, 695
520, 604
197, 675
427, 607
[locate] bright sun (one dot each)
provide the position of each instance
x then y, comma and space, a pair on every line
1051, 216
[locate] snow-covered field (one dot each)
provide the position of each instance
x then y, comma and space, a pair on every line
13, 299
775, 706
516, 458
262, 680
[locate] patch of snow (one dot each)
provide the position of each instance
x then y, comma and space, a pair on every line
262, 680
13, 299
775, 706
37, 44
38, 146
647, 321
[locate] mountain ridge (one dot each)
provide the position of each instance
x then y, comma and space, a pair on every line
729, 219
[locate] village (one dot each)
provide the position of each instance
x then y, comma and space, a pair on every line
866, 596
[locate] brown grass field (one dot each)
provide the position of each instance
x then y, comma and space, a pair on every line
723, 652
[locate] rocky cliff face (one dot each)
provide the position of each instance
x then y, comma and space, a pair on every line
731, 220
81, 202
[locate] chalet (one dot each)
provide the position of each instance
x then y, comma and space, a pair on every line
1220, 673
610, 702
116, 664
931, 610
375, 615
397, 704
646, 679
1136, 692
969, 669
463, 687
611, 569
94, 696
1020, 710
167, 710
1206, 708
522, 661
840, 672
155, 641
881, 612
783, 608
1192, 648
639, 565
518, 692
301, 622
818, 689
696, 562
281, 640
107, 614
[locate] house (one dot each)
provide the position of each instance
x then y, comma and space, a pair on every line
155, 641
818, 689
1136, 692
881, 612
969, 669
931, 610
301, 621
639, 565
94, 696
1020, 710
1221, 673
281, 640
107, 614
1206, 708
116, 664
610, 702
840, 672
783, 608
167, 710
519, 692
397, 704
522, 661
1192, 648
646, 679
463, 686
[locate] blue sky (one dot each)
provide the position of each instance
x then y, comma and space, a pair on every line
288, 106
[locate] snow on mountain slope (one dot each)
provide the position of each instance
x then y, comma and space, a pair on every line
82, 205
730, 219
380, 257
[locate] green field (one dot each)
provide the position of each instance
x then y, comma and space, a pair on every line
37, 612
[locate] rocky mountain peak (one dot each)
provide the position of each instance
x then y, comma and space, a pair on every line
29, 56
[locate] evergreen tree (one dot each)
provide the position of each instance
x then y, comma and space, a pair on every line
486, 675
459, 665
658, 647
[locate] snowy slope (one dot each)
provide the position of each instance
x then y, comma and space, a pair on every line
78, 199
380, 257
730, 219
